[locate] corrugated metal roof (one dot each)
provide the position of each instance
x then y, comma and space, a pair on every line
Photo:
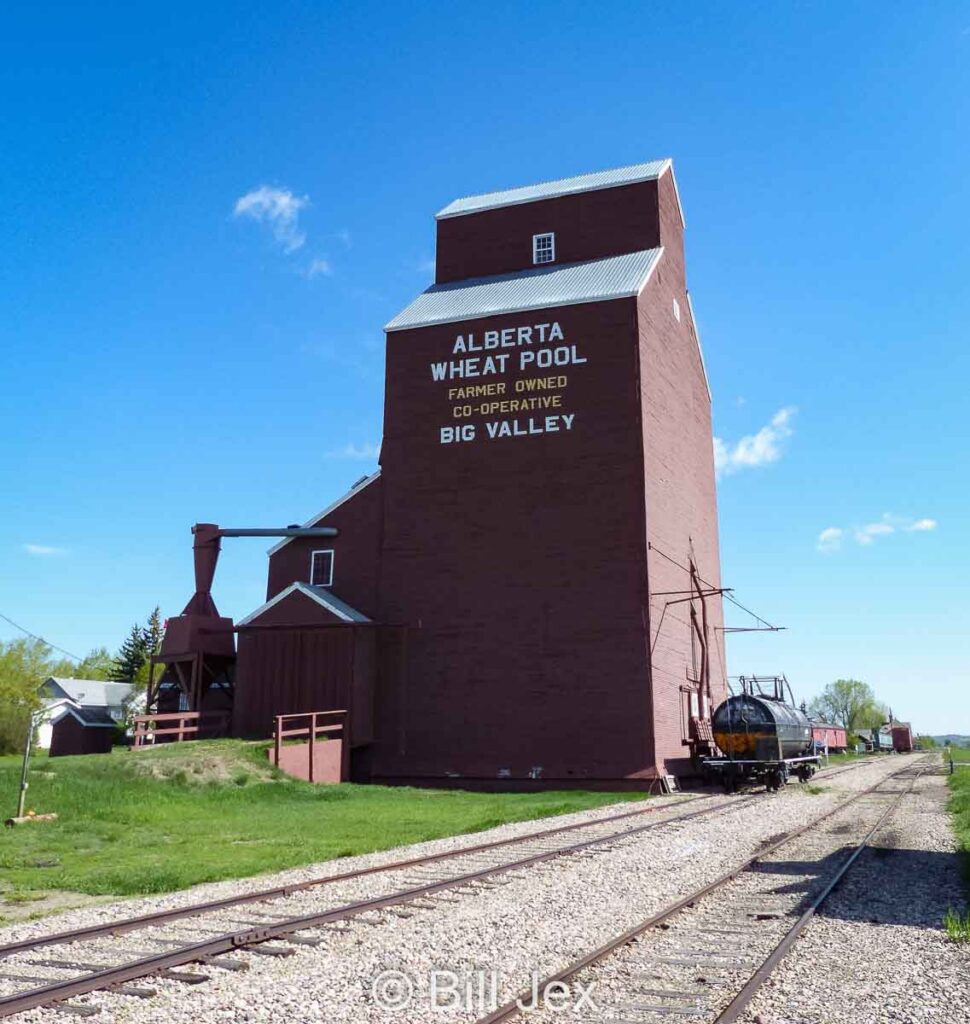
536, 288
321, 595
91, 692
548, 189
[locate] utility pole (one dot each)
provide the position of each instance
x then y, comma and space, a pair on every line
28, 743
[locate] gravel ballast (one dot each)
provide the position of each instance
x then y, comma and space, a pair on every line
537, 919
878, 951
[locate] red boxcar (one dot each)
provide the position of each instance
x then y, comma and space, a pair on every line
902, 737
825, 734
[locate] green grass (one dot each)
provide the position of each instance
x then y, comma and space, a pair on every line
959, 806
957, 925
158, 820
846, 757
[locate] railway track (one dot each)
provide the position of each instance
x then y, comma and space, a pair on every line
704, 957
51, 970
101, 957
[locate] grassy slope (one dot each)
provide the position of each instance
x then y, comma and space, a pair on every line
960, 804
153, 821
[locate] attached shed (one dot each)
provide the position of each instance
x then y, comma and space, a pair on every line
303, 650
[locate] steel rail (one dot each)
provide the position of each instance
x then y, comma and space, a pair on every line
278, 892
511, 1009
741, 1001
68, 988
160, 916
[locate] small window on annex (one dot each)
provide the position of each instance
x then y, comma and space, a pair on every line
321, 568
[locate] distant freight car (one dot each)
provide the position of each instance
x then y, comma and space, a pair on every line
829, 737
902, 733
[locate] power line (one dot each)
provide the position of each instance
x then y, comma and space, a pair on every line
34, 636
733, 600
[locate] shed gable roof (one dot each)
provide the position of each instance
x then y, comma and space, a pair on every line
561, 187
321, 595
97, 718
615, 277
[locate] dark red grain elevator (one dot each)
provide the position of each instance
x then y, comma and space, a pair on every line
527, 592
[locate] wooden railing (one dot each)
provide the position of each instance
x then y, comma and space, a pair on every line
313, 726
189, 725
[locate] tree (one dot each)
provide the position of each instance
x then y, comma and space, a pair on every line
152, 639
849, 702
926, 742
130, 657
24, 665
96, 664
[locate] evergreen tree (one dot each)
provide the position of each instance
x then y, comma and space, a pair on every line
130, 657
153, 633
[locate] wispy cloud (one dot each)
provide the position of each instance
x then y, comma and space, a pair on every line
355, 451
44, 550
921, 526
320, 267
277, 208
759, 449
831, 538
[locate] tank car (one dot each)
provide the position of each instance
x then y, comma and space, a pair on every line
761, 737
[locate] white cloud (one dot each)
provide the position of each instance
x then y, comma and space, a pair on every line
43, 550
830, 539
759, 449
868, 533
279, 209
318, 267
355, 451
921, 525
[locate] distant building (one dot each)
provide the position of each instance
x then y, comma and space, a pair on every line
81, 716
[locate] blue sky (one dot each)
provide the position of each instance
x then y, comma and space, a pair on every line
168, 355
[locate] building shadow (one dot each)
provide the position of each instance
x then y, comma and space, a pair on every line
888, 884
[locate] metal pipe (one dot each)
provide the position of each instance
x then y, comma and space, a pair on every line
283, 531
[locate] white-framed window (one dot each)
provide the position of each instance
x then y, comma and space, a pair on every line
544, 248
677, 311
321, 568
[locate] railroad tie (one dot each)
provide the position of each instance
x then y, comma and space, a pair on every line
76, 1009
225, 962
185, 977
